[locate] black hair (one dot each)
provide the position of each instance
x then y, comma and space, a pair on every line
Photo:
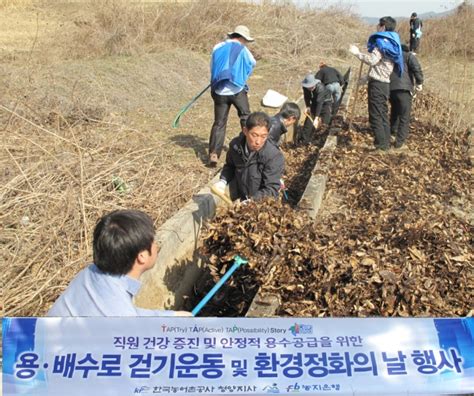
258, 118
290, 109
389, 23
118, 238
414, 14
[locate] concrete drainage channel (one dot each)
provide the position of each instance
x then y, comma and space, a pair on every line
180, 265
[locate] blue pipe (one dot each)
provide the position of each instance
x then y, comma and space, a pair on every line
238, 261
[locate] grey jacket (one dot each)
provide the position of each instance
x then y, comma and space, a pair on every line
412, 73
316, 98
257, 174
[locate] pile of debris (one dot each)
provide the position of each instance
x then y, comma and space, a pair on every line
398, 243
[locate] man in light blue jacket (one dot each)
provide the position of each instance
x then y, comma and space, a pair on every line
124, 248
231, 65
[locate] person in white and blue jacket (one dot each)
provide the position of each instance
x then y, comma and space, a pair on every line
231, 65
385, 56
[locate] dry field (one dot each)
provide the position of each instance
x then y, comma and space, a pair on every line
88, 94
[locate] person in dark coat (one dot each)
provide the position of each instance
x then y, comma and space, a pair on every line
415, 32
288, 115
318, 101
401, 94
332, 79
254, 165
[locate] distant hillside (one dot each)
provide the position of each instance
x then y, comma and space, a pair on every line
424, 16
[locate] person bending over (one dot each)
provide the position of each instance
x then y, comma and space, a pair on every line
288, 115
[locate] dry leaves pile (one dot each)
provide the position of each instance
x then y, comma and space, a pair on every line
394, 238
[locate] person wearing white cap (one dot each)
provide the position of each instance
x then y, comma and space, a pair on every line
318, 101
231, 65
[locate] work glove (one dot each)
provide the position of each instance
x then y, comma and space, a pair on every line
317, 122
419, 88
220, 186
354, 50
244, 201
282, 184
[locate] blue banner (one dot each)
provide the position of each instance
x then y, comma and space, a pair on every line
240, 356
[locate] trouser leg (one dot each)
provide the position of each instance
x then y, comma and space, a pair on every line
221, 114
417, 44
307, 131
241, 103
378, 113
394, 112
404, 100
414, 42
336, 91
326, 113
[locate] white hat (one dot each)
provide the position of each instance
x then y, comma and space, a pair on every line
310, 81
243, 31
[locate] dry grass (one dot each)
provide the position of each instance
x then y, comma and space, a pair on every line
88, 94
450, 36
55, 186
285, 35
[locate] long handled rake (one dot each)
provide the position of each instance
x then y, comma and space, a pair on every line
238, 261
185, 108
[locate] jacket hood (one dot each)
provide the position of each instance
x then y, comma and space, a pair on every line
388, 43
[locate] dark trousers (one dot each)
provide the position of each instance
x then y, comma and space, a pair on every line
308, 129
414, 43
378, 113
222, 105
400, 101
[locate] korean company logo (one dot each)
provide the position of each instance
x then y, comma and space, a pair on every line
301, 329
273, 388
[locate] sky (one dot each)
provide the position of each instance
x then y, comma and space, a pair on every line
395, 8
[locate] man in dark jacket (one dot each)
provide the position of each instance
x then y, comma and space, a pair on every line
288, 115
318, 101
254, 166
401, 93
415, 31
332, 79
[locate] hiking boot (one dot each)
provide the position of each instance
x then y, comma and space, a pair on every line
400, 148
213, 158
379, 151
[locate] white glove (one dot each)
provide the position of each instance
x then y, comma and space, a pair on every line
419, 88
282, 184
220, 186
354, 50
316, 122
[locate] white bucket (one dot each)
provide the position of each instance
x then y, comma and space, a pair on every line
273, 99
